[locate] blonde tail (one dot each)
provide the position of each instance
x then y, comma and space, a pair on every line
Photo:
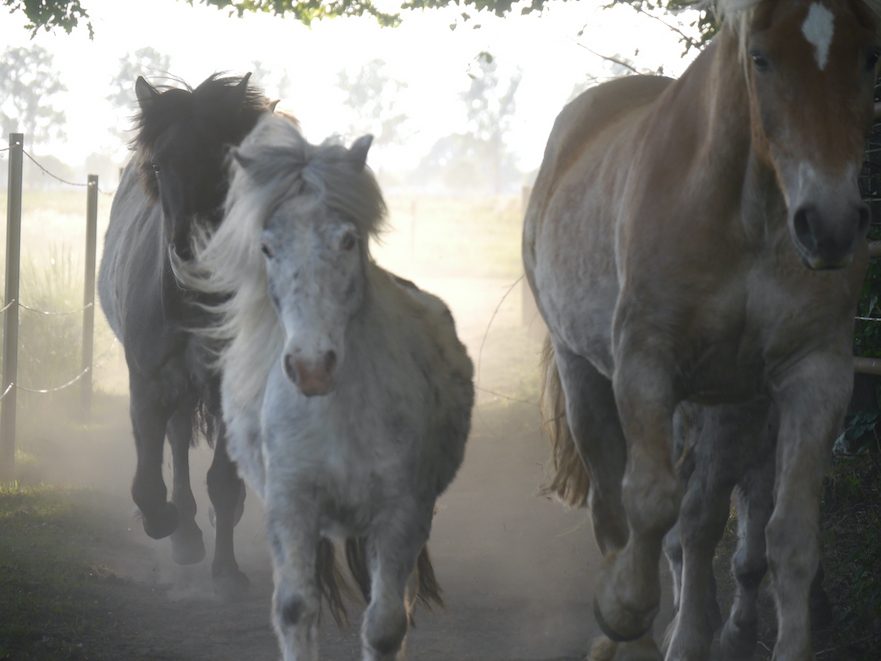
569, 481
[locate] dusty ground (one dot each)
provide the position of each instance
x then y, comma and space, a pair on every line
517, 570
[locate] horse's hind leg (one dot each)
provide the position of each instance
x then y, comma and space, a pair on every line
592, 417
628, 592
187, 547
149, 418
227, 493
755, 502
721, 434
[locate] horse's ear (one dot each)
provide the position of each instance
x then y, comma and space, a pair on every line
358, 151
236, 96
146, 93
242, 161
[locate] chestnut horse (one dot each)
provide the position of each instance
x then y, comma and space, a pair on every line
704, 240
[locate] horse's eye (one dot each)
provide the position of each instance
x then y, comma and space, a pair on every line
156, 169
266, 249
760, 62
872, 57
348, 241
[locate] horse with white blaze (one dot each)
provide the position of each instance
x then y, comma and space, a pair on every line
702, 240
346, 390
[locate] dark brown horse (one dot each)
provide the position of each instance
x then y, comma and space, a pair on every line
704, 240
177, 178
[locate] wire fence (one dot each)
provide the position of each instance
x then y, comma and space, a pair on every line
14, 304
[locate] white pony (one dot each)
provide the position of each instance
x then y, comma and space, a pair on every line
346, 391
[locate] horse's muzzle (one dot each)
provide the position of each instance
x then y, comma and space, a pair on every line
827, 241
312, 378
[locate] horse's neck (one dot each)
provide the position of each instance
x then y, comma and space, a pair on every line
727, 153
379, 325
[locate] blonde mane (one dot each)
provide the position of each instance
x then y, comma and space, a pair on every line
273, 164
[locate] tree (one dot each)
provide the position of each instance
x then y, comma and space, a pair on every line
67, 14
373, 95
145, 62
276, 83
27, 83
490, 108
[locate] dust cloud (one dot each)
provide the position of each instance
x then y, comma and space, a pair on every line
517, 570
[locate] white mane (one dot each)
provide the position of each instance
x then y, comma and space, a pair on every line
274, 163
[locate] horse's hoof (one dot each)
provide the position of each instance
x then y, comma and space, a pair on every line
738, 643
633, 632
231, 584
821, 611
161, 526
644, 649
187, 547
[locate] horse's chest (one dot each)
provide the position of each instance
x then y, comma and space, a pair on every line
350, 468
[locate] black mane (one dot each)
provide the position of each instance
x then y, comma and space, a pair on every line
204, 103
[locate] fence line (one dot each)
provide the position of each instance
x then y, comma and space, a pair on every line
13, 304
84, 372
77, 184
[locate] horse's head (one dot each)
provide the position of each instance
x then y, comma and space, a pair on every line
183, 139
314, 245
811, 68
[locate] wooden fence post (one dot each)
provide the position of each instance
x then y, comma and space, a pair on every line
10, 334
89, 298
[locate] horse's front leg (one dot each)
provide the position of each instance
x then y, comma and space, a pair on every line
292, 527
187, 547
628, 590
150, 414
393, 550
227, 493
812, 398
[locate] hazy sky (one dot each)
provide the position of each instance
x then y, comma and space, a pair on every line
424, 53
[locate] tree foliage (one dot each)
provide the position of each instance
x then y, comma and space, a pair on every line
27, 81
147, 62
68, 14
51, 14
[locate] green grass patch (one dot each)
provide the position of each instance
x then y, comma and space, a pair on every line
49, 583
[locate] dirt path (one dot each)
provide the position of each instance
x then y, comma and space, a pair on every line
517, 570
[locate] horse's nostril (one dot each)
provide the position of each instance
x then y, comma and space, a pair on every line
803, 231
290, 368
330, 362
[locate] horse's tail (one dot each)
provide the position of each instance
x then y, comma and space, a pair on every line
332, 582
356, 557
569, 480
428, 590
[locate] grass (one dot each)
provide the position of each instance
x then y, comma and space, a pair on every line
851, 552
50, 587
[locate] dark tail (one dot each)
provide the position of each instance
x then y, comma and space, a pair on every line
428, 590
332, 582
